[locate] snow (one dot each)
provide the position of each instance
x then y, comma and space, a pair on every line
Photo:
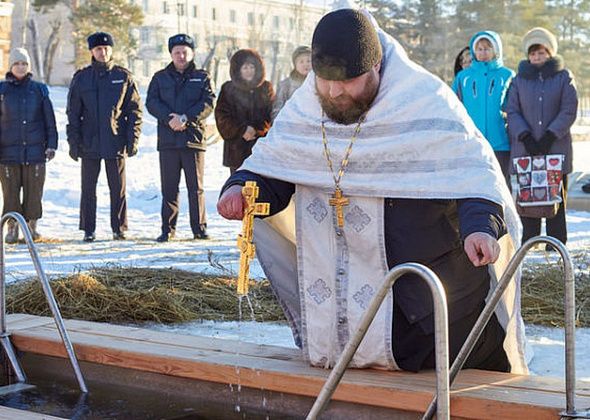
70, 254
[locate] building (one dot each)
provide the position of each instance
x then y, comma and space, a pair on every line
220, 27
6, 8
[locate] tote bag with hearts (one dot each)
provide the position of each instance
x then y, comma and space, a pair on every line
539, 181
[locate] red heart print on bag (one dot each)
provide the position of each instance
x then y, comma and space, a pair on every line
523, 163
553, 161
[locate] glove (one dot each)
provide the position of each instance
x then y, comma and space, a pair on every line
530, 144
74, 152
132, 150
49, 154
546, 142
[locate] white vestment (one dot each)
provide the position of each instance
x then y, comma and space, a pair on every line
417, 142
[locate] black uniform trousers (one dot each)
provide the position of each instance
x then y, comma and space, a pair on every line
115, 169
26, 178
192, 162
555, 226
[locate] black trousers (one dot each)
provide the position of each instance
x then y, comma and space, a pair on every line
555, 226
28, 179
172, 163
414, 349
115, 169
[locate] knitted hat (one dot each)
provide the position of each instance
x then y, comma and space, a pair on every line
301, 50
542, 37
98, 39
180, 39
344, 45
19, 54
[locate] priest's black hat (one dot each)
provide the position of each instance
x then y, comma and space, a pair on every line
344, 45
100, 38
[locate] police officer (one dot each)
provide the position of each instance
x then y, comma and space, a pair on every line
181, 98
104, 122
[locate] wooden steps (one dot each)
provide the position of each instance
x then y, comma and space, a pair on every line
475, 394
7, 413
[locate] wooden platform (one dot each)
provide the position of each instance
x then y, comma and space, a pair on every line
475, 394
13, 414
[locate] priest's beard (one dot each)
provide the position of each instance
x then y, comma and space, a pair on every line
346, 109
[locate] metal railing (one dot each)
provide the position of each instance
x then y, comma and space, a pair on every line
570, 313
440, 333
4, 335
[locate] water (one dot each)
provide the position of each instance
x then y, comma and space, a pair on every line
110, 401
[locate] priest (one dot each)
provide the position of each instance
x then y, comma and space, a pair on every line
373, 163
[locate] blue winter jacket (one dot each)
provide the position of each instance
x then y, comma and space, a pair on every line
482, 89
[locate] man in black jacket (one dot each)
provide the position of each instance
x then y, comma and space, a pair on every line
181, 98
104, 122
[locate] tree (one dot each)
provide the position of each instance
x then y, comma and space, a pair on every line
116, 17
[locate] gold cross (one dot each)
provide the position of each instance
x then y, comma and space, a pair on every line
247, 248
339, 201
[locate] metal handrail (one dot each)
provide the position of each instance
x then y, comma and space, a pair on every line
440, 333
486, 314
48, 294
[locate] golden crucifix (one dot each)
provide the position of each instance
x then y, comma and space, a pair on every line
247, 248
338, 201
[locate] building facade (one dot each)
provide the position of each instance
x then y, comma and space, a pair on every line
6, 9
220, 27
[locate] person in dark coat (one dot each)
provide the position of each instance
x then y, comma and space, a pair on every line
338, 144
301, 66
28, 139
243, 111
104, 123
462, 61
181, 98
542, 107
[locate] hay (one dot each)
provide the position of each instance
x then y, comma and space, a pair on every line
126, 295
543, 293
136, 295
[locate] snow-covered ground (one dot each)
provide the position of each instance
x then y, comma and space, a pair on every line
70, 254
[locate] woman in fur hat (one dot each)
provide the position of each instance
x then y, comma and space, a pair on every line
28, 139
542, 106
243, 111
301, 66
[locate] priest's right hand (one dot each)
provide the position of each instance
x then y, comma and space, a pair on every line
231, 204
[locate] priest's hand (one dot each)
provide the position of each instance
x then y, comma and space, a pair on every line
231, 204
481, 249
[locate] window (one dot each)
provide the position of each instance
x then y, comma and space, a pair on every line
214, 13
261, 19
165, 7
144, 34
276, 22
195, 12
250, 18
146, 68
146, 5
291, 23
180, 9
232, 16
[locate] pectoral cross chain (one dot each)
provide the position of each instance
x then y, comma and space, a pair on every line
339, 201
